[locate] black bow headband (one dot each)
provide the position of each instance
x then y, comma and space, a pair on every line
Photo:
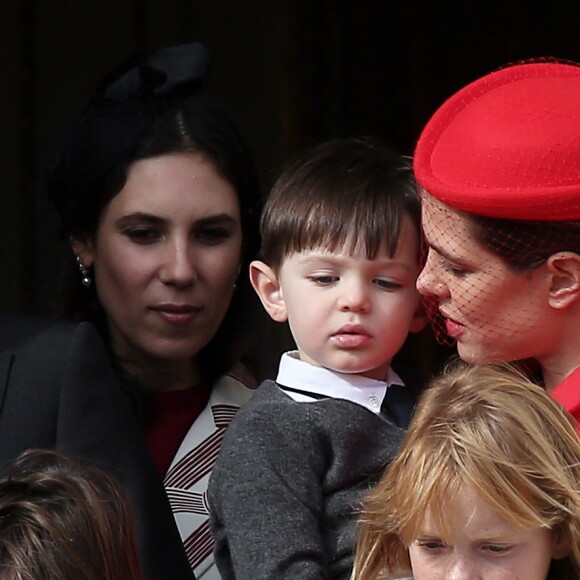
127, 101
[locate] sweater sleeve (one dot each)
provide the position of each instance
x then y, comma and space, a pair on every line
266, 496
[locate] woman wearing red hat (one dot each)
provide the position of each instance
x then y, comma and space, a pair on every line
499, 164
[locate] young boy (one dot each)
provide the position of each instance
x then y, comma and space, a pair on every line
340, 253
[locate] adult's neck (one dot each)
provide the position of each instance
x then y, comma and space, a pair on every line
560, 363
162, 375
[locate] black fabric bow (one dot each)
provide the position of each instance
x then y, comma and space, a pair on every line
126, 103
160, 73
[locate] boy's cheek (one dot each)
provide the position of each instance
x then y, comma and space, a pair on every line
420, 319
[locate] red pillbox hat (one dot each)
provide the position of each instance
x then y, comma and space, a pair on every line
508, 145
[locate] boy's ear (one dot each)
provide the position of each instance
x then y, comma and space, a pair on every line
420, 318
267, 287
564, 271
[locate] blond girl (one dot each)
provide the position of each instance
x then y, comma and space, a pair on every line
486, 486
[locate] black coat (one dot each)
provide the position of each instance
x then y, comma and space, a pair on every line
58, 391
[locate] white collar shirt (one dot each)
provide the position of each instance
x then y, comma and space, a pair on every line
313, 382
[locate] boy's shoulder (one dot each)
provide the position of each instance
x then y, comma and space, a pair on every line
268, 400
268, 422
273, 414
272, 429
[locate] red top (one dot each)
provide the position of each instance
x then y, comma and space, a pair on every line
567, 393
171, 414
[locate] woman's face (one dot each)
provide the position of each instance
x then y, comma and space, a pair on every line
494, 313
165, 258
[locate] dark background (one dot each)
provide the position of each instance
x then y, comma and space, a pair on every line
291, 72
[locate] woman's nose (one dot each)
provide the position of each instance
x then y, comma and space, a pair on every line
429, 282
178, 268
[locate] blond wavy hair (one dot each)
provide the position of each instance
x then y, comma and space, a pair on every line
490, 428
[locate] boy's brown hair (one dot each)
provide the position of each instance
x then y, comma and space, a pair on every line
63, 519
338, 195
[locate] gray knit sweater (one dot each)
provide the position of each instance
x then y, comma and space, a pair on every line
285, 490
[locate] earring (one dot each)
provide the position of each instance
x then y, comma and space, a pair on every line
86, 279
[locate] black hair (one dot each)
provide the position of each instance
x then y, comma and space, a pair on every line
522, 244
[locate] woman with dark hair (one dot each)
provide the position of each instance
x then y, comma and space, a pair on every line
158, 194
499, 165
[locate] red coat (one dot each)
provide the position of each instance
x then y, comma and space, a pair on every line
567, 393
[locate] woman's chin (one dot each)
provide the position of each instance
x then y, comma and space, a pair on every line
479, 353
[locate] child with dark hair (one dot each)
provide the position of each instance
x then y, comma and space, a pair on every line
340, 257
61, 519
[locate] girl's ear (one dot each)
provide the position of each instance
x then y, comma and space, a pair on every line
84, 250
561, 546
564, 271
267, 287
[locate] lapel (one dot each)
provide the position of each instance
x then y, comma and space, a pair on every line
6, 360
205, 435
187, 479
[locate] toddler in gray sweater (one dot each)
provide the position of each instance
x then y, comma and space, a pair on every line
340, 257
